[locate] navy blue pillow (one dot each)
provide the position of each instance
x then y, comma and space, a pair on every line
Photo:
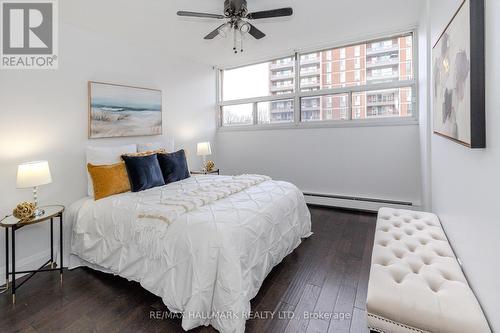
143, 172
173, 166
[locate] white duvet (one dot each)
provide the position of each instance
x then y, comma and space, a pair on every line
206, 261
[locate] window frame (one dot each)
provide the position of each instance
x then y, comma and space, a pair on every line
297, 94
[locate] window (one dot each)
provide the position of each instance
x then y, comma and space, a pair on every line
380, 75
357, 99
309, 81
309, 70
342, 77
328, 55
329, 102
328, 79
335, 108
234, 115
357, 51
258, 80
342, 53
310, 57
275, 112
368, 81
328, 67
385, 103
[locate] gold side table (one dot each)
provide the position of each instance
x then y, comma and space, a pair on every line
14, 224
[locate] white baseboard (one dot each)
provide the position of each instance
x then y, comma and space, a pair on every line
356, 204
27, 263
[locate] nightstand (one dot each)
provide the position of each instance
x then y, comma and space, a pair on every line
202, 172
14, 224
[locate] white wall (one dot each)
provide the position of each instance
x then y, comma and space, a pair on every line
374, 162
465, 182
424, 53
43, 115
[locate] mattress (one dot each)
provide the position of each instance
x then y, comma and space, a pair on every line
207, 263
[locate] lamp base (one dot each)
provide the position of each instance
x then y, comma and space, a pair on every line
38, 212
203, 166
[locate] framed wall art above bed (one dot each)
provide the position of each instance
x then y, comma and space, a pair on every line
118, 111
459, 77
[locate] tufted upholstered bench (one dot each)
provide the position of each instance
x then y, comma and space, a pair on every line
416, 283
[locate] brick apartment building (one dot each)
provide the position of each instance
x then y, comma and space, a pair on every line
371, 63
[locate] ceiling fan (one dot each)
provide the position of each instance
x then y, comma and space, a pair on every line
236, 15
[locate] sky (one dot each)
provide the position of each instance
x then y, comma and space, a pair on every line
246, 82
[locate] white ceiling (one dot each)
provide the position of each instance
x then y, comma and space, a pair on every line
153, 24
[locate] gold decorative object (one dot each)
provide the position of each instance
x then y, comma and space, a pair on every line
209, 165
24, 211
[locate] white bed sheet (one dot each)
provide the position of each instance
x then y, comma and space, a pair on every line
208, 263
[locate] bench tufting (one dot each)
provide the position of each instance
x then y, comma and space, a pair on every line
416, 283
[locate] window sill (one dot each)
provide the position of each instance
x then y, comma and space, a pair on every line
323, 124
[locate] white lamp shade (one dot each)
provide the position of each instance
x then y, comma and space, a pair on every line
204, 149
33, 174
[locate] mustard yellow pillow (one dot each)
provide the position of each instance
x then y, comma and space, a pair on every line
109, 179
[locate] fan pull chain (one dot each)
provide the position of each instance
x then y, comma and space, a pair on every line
234, 40
241, 41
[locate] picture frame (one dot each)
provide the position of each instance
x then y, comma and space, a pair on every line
117, 110
458, 62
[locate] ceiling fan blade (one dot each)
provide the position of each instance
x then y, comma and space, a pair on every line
195, 14
256, 33
214, 33
270, 13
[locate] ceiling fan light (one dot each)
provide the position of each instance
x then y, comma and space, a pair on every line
235, 16
245, 28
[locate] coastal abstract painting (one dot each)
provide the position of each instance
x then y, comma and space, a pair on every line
458, 74
119, 111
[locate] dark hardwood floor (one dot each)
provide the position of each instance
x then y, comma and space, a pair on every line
326, 277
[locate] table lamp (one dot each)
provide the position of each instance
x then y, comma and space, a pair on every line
34, 174
203, 149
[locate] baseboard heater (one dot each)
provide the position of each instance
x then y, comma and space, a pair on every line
351, 202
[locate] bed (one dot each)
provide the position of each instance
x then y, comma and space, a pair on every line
207, 261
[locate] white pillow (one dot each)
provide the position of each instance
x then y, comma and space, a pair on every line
106, 155
168, 145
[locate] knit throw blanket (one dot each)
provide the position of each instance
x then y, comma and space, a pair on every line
180, 202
